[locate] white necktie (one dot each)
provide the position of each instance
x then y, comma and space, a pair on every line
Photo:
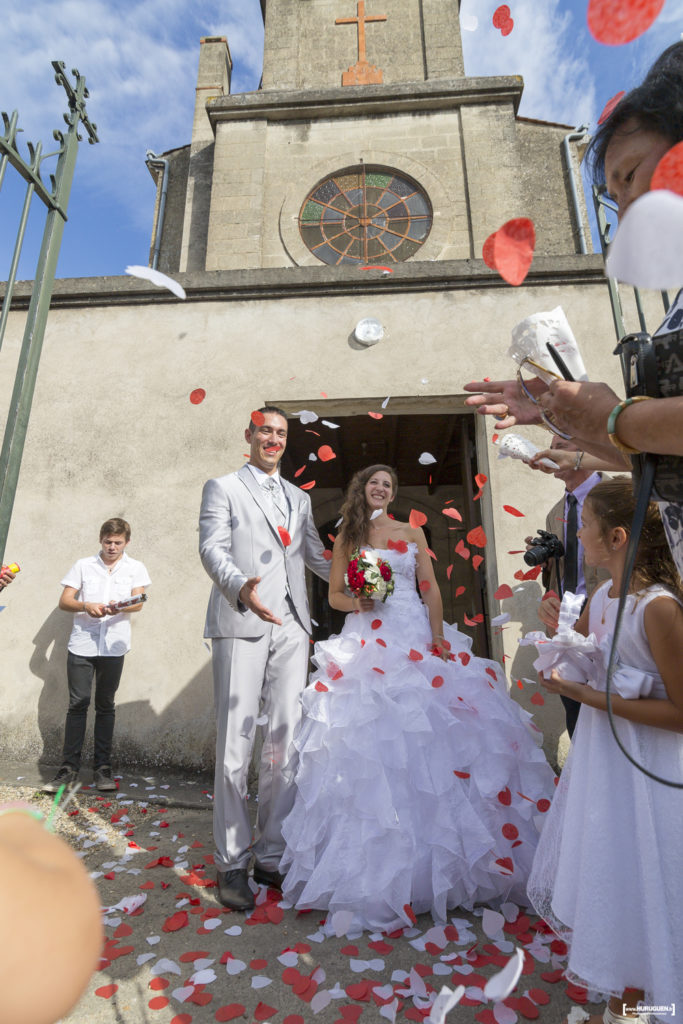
278, 501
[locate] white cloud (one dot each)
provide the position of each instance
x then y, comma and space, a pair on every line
542, 47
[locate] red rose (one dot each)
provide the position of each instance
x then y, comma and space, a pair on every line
386, 571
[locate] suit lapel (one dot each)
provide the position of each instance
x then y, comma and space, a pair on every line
261, 499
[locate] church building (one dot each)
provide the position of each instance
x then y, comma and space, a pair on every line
328, 231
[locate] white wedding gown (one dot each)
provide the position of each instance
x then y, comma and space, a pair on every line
420, 785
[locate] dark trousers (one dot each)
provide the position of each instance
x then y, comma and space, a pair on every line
571, 713
80, 671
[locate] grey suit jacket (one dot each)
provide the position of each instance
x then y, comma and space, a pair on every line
555, 524
238, 539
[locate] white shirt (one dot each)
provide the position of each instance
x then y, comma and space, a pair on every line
93, 582
263, 479
580, 494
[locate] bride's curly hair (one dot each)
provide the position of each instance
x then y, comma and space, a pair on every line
613, 502
354, 511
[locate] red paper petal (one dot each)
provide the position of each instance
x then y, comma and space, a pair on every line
424, 586
459, 591
197, 396
610, 105
230, 1012
263, 1011
415, 655
500, 16
376, 415
257, 418
182, 1018
325, 453
409, 912
476, 561
539, 996
669, 171
510, 831
376, 623
505, 797
480, 479
327, 555
614, 22
507, 28
299, 471
106, 991
437, 681
511, 249
284, 536
158, 1003
477, 537
175, 921
397, 545
461, 550
503, 592
321, 688
506, 864
511, 510
543, 805
308, 486
538, 699
416, 518
461, 775
453, 513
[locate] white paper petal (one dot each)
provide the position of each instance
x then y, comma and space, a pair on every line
306, 416
444, 1002
426, 459
260, 981
503, 983
157, 278
469, 22
492, 923
165, 966
320, 1000
234, 966
183, 994
341, 922
647, 250
327, 423
377, 512
389, 1010
205, 977
385, 403
504, 1014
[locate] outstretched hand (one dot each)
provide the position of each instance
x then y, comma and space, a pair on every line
250, 599
505, 400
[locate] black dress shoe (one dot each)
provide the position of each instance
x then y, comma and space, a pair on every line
263, 876
233, 889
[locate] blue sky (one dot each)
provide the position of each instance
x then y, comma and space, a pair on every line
140, 61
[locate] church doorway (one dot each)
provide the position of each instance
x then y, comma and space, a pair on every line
397, 436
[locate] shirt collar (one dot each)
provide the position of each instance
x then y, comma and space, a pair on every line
263, 478
582, 490
123, 558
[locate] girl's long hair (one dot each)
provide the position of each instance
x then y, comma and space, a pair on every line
613, 502
354, 511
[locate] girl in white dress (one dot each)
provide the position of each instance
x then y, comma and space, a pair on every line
607, 873
420, 784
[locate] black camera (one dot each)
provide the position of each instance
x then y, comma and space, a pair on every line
543, 548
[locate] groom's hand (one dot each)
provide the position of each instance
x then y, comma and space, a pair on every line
250, 599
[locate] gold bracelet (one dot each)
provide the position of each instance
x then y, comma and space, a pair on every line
612, 424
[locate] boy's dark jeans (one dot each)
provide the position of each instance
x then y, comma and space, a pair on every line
80, 671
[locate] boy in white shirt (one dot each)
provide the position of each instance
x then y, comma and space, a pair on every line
99, 640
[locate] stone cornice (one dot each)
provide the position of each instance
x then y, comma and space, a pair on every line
302, 282
363, 100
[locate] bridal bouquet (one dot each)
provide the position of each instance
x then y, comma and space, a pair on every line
369, 576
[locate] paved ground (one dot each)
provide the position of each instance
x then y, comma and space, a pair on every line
180, 958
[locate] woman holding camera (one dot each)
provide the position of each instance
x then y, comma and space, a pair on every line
627, 147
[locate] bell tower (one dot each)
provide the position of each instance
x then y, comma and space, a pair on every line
323, 44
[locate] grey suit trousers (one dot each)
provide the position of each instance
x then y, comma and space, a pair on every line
247, 670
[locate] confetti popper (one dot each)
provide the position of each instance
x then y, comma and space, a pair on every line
531, 335
13, 567
517, 447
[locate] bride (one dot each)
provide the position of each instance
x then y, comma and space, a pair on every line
420, 784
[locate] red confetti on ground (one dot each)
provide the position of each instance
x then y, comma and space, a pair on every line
437, 681
505, 797
503, 592
397, 545
158, 1003
257, 418
539, 996
376, 415
106, 991
527, 1008
380, 946
552, 977
614, 22
182, 1018
476, 561
510, 249
538, 699
325, 453
416, 519
510, 831
309, 486
230, 1012
321, 688
477, 537
415, 655
189, 958
197, 396
409, 912
453, 513
610, 105
284, 536
294, 1018
543, 805
669, 171
513, 511
176, 921
461, 775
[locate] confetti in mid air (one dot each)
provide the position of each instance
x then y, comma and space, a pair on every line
426, 459
510, 249
325, 453
257, 418
502, 20
416, 518
615, 22
197, 396
668, 173
157, 278
469, 22
609, 106
503, 592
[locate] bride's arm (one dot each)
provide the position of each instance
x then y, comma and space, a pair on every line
429, 588
336, 593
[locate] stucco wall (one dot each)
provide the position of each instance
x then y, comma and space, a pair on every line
113, 433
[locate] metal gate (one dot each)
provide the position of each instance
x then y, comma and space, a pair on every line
55, 199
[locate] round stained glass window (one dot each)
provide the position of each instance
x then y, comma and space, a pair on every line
365, 215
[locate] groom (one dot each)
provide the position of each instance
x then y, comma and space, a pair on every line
256, 535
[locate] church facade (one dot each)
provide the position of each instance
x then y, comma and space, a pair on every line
328, 231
